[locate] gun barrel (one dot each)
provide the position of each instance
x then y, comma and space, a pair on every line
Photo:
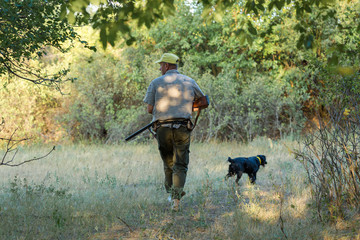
138, 131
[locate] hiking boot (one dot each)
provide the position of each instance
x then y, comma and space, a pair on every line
175, 204
170, 198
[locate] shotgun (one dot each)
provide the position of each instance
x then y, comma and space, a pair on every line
139, 131
200, 103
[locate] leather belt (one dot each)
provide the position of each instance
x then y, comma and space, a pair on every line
173, 123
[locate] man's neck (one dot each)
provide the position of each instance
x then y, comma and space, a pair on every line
174, 69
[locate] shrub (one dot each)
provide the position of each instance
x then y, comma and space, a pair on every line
331, 153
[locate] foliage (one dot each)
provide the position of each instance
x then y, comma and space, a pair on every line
331, 154
112, 17
262, 84
28, 28
205, 51
106, 100
250, 86
29, 111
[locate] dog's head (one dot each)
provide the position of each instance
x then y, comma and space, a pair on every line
263, 160
233, 168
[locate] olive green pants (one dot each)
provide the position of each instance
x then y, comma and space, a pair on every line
174, 147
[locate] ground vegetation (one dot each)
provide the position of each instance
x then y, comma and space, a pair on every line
273, 69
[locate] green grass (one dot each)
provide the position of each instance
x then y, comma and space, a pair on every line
116, 192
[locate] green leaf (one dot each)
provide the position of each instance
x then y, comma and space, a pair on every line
249, 39
261, 7
328, 2
103, 37
280, 4
334, 60
71, 17
78, 5
341, 48
298, 27
130, 41
299, 12
242, 38
251, 28
63, 11
307, 8
112, 34
271, 5
300, 42
250, 5
331, 13
238, 32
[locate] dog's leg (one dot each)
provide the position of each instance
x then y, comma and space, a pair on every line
253, 178
238, 176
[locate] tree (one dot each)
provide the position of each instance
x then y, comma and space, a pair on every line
114, 16
28, 28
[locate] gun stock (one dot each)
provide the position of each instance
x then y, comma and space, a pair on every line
139, 131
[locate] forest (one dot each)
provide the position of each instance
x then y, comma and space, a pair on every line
75, 72
267, 75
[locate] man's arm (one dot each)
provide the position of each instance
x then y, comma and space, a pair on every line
150, 108
198, 95
150, 98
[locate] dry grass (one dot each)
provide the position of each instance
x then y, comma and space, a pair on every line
116, 192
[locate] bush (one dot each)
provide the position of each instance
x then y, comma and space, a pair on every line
331, 153
29, 111
106, 101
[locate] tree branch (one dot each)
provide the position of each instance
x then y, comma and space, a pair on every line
26, 161
11, 147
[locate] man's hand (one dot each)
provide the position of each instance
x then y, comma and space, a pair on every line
150, 108
201, 103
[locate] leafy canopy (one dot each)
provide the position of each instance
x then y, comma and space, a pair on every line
27, 29
114, 16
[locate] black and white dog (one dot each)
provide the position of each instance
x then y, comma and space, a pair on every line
241, 165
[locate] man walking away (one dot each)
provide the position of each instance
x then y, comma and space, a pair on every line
169, 99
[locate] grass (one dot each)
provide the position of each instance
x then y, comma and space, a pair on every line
116, 192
